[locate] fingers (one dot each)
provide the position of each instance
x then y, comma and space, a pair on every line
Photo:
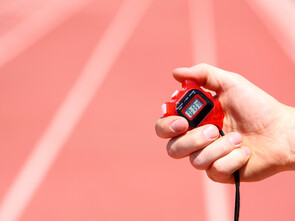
222, 169
208, 76
219, 156
192, 141
225, 145
222, 158
171, 126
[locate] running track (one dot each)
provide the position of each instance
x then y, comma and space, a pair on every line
81, 86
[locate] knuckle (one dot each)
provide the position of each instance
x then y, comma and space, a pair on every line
226, 148
241, 160
160, 128
219, 173
213, 176
219, 169
171, 152
197, 161
196, 140
203, 66
172, 149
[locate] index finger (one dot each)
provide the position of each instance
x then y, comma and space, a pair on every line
208, 76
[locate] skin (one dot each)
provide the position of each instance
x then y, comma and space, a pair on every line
259, 130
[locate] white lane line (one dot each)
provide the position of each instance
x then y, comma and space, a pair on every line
67, 116
37, 25
202, 26
279, 18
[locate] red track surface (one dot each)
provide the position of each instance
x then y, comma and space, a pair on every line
112, 166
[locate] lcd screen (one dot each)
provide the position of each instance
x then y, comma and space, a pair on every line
194, 107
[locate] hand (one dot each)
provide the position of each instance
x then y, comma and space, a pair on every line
259, 130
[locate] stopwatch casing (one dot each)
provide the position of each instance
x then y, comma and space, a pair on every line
195, 105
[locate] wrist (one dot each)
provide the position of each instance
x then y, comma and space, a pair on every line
290, 128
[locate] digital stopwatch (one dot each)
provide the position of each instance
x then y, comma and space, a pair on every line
199, 108
195, 105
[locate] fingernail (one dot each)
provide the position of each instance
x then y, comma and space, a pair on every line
246, 151
178, 126
211, 132
235, 139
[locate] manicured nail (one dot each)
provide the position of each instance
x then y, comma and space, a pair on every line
211, 132
178, 126
246, 151
235, 139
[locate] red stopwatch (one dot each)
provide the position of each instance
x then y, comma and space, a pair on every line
194, 104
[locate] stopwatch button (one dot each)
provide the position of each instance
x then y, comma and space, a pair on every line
168, 109
174, 94
164, 109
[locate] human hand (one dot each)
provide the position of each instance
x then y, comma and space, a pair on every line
259, 130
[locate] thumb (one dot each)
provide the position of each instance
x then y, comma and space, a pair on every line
209, 77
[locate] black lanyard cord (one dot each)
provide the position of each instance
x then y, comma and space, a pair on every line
237, 200
237, 182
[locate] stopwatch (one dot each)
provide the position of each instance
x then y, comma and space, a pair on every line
197, 106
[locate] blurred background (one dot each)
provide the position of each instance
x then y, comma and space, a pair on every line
81, 87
